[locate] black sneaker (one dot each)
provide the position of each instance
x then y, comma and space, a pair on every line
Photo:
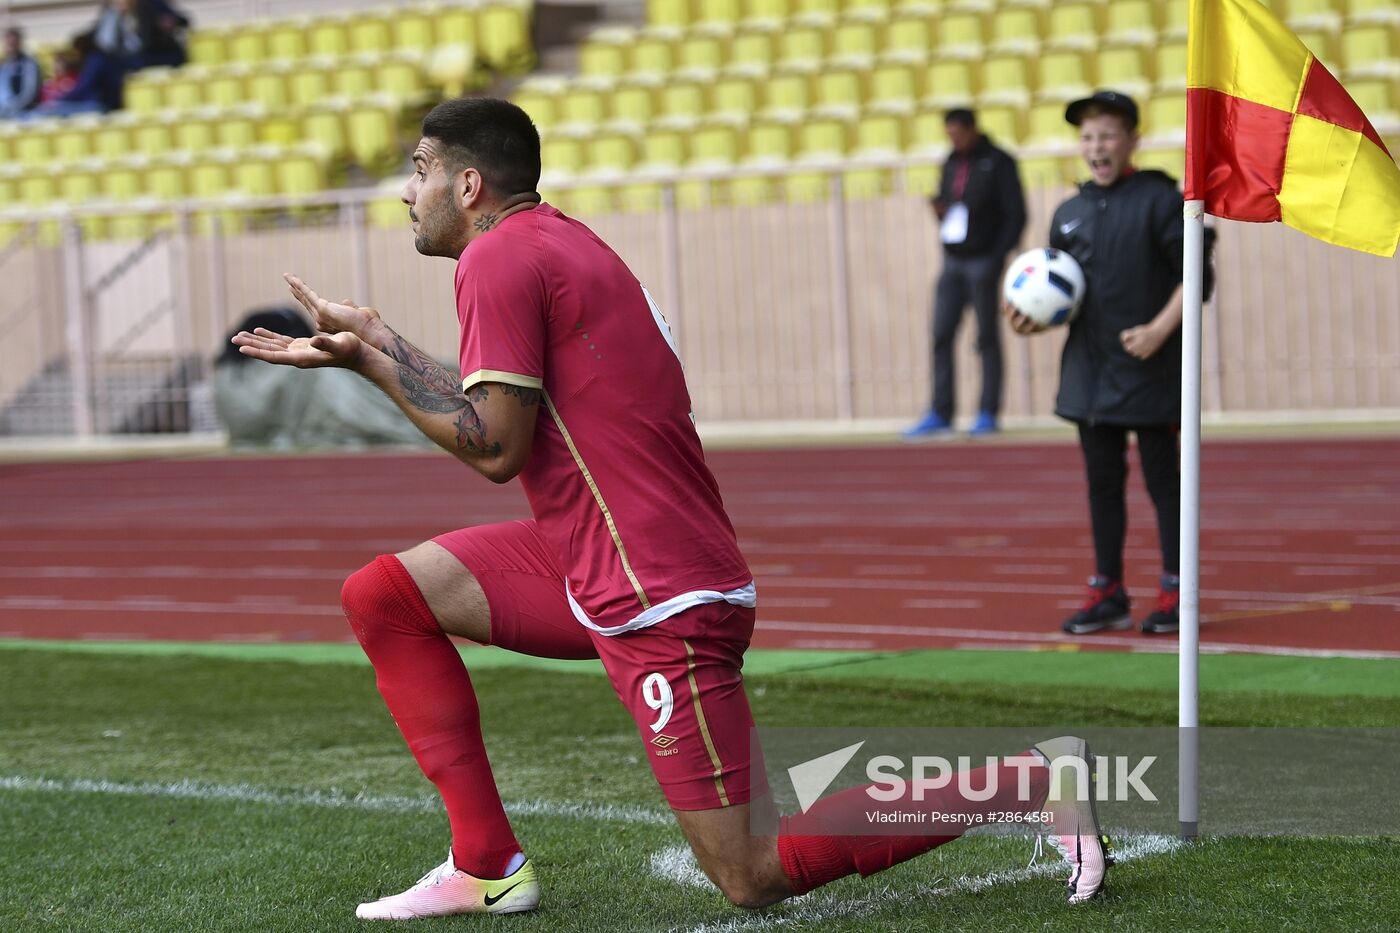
1107, 609
1166, 618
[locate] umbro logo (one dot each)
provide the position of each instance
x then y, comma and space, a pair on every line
664, 741
1070, 226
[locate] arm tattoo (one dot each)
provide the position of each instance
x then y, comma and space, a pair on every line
528, 397
429, 387
485, 222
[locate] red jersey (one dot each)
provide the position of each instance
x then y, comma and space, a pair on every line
616, 478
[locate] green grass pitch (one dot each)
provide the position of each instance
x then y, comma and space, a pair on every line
262, 788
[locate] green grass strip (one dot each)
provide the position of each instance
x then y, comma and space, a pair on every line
1228, 673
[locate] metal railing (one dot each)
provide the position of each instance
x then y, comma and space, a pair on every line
796, 295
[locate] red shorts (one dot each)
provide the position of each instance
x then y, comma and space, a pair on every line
680, 678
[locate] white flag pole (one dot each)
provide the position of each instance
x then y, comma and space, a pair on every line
1189, 647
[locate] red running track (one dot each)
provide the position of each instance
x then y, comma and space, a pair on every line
956, 545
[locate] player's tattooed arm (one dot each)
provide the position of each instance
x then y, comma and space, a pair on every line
428, 386
528, 397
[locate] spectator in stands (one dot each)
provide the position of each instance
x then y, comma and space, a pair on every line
98, 88
66, 65
20, 77
981, 212
141, 33
1121, 368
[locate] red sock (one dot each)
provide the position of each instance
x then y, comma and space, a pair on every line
812, 856
429, 694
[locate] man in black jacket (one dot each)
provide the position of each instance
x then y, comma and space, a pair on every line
1121, 368
20, 79
981, 212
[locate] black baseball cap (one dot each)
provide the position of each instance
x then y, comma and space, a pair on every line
1108, 100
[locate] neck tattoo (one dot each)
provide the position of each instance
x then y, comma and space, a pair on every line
485, 222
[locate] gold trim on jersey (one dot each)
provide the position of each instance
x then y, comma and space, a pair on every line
598, 497
499, 375
704, 726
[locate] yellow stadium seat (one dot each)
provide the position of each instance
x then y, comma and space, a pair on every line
1313, 14
961, 36
72, 139
238, 127
400, 74
699, 53
752, 48
1129, 22
802, 46
327, 36
818, 11
1373, 11
206, 47
324, 124
925, 132
301, 170
287, 39
9, 132
1046, 127
37, 187
166, 176
145, 90
561, 155
1064, 76
856, 42
1370, 50
122, 178
670, 13
735, 98
714, 145
372, 134
718, 14
456, 69
1379, 99
872, 11
879, 134
227, 87
894, 88
35, 144
663, 150
582, 107
455, 24
1015, 30
253, 173
371, 32
353, 77
112, 137
604, 55
1032, 4
539, 97
772, 13
949, 84
1171, 66
1124, 68
184, 89
1005, 80
682, 103
787, 95
247, 45
827, 138
1074, 26
611, 154
1323, 44
1175, 15
633, 103
413, 29
267, 85
1001, 123
653, 53
154, 135
503, 34
910, 37
1165, 118
387, 211
839, 91
196, 130
1041, 169
210, 174
309, 81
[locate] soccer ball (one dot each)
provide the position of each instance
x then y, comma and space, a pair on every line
1046, 285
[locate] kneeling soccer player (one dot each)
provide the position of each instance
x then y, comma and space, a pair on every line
572, 384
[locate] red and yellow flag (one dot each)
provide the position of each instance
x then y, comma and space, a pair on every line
1272, 136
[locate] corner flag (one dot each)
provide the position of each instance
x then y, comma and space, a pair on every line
1272, 136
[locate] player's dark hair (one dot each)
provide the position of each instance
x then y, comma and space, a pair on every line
493, 136
961, 116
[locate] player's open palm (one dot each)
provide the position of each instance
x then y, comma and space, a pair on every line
331, 317
342, 349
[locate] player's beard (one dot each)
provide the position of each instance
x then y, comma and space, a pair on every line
437, 229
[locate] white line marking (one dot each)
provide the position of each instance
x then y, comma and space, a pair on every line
334, 798
818, 906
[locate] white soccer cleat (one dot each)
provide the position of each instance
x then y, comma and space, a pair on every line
448, 890
1074, 829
